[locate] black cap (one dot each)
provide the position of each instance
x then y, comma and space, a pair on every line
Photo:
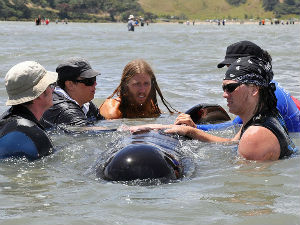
75, 67
240, 49
138, 161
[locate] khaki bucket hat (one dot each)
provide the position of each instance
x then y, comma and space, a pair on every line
26, 81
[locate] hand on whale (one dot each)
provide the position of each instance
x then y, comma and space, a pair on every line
143, 128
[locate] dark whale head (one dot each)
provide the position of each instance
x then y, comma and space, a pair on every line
140, 161
208, 113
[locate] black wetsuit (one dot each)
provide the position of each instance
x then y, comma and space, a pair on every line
67, 112
22, 135
277, 126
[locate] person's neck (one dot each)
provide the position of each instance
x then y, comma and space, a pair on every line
139, 110
36, 110
74, 97
247, 115
70, 95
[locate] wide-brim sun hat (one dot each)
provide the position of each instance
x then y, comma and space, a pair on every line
130, 17
26, 81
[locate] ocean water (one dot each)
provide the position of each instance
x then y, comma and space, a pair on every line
219, 187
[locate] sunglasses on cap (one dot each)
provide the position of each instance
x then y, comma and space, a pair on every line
231, 87
87, 81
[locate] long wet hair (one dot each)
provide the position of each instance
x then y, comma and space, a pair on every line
267, 98
139, 66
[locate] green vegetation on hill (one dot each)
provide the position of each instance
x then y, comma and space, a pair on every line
119, 10
208, 9
80, 10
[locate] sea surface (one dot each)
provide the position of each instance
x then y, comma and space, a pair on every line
218, 188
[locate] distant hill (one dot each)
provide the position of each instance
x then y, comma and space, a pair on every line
213, 9
119, 10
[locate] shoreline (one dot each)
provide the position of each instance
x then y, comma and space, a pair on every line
187, 22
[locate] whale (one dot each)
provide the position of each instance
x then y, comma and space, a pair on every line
154, 154
146, 155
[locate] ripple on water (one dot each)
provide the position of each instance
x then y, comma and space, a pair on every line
219, 187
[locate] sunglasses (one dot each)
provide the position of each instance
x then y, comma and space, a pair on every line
231, 87
87, 81
52, 86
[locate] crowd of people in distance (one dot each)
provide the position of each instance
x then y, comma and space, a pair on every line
41, 21
45, 21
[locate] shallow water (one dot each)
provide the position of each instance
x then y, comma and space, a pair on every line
219, 188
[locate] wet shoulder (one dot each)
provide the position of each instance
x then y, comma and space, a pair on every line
110, 109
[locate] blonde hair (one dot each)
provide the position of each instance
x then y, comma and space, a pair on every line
139, 66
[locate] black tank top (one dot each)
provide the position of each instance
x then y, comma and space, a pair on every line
278, 128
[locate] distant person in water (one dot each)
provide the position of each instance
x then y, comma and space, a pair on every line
136, 94
38, 20
142, 21
131, 23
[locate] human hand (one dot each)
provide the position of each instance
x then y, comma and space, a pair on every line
144, 128
178, 129
185, 119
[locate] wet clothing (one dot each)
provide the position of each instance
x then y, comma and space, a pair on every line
66, 111
276, 125
131, 25
22, 135
288, 109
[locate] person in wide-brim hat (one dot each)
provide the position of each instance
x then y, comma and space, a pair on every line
29, 87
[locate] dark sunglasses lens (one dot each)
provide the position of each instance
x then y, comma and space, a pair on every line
230, 87
88, 81
52, 86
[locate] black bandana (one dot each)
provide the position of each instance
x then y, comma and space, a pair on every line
250, 70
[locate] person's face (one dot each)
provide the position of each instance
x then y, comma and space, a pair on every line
84, 90
139, 87
45, 99
236, 95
